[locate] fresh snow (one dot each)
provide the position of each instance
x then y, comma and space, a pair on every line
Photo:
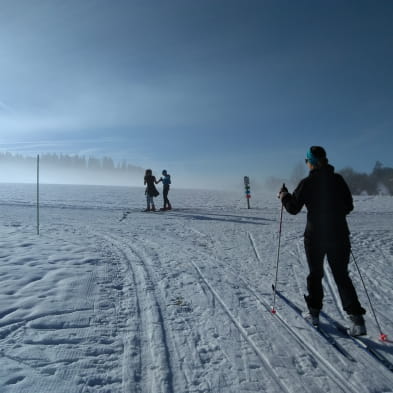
110, 299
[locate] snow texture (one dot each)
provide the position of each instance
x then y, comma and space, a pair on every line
110, 299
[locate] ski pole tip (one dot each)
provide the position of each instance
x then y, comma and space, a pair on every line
383, 337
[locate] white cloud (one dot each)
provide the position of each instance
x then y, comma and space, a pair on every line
30, 123
117, 106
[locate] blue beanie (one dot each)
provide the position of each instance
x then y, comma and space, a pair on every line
315, 155
310, 158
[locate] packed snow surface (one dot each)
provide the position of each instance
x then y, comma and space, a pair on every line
108, 298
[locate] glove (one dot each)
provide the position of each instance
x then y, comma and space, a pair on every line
284, 189
283, 192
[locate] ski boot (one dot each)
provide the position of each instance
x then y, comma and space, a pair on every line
358, 327
312, 316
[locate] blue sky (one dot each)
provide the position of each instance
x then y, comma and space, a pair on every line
210, 90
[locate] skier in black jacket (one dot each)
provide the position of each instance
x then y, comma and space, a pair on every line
328, 200
151, 191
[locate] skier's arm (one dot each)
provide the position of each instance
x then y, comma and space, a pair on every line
346, 194
294, 202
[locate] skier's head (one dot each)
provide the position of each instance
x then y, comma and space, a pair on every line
316, 156
164, 172
148, 172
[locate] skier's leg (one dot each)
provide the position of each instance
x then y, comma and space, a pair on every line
167, 200
338, 257
167, 204
165, 195
315, 254
148, 200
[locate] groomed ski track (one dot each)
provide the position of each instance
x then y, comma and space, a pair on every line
311, 346
137, 269
180, 302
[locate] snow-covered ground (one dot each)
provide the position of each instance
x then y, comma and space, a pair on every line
110, 299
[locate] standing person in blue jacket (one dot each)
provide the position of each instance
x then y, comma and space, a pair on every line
166, 181
328, 201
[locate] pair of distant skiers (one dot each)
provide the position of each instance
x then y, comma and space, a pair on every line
151, 191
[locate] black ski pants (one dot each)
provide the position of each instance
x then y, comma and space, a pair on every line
338, 254
165, 192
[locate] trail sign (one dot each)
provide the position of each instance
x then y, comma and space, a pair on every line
247, 189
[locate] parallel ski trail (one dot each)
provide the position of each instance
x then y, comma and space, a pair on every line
244, 344
155, 368
269, 368
330, 370
333, 373
337, 303
193, 377
365, 353
287, 382
254, 247
327, 366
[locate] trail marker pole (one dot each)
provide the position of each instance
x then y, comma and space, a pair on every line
38, 194
247, 188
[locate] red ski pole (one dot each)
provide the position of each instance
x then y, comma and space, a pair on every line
273, 310
382, 336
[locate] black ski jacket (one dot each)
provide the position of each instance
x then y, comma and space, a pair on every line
328, 200
151, 189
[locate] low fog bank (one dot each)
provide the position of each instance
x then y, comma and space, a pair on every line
378, 182
79, 170
63, 169
25, 174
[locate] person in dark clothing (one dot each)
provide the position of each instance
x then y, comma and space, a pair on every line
328, 201
166, 181
151, 190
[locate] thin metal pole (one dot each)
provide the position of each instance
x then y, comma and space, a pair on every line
38, 194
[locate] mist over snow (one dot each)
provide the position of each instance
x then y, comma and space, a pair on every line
69, 169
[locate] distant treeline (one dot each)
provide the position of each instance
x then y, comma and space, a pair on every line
378, 182
69, 169
72, 162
